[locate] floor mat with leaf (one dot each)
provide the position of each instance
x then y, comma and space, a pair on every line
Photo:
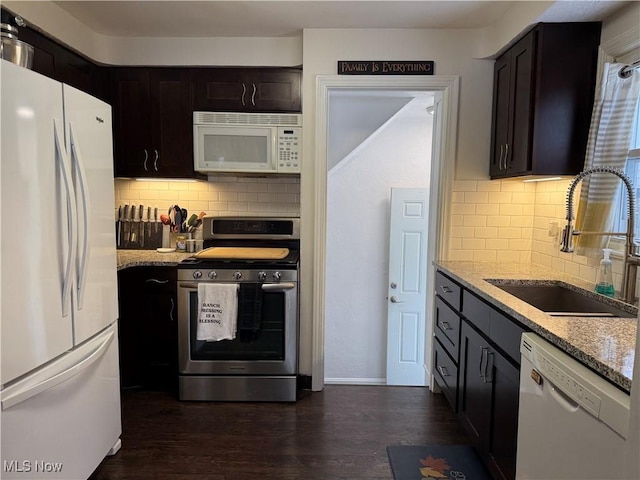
426, 462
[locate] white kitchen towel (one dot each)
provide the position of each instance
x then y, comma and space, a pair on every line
217, 311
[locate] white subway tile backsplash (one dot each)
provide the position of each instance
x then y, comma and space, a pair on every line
465, 185
220, 195
188, 195
520, 244
513, 222
486, 232
474, 221
488, 186
588, 273
484, 255
210, 196
510, 209
512, 186
462, 232
463, 209
508, 232
228, 196
487, 209
522, 221
473, 244
500, 244
461, 255
457, 197
476, 197
500, 197
558, 264
498, 221
528, 210
524, 197
248, 197
507, 256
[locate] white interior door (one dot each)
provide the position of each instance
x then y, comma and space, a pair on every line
407, 286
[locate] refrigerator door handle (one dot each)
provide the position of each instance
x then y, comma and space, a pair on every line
71, 212
29, 391
86, 208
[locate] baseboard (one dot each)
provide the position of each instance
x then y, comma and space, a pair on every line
355, 381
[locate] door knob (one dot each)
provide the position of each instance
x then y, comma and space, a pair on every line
393, 299
394, 285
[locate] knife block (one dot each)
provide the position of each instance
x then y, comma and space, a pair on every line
131, 235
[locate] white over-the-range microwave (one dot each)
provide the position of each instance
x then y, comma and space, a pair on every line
247, 142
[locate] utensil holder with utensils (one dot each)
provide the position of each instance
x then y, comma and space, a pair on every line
144, 228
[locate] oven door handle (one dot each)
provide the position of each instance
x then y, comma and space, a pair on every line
277, 287
266, 287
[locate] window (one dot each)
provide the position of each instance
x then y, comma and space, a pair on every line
632, 169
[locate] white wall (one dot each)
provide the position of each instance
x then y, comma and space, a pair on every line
451, 50
352, 119
358, 203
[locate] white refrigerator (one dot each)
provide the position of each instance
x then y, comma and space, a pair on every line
59, 379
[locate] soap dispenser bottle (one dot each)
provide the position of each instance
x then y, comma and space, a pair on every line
604, 283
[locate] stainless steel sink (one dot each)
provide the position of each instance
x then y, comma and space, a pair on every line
563, 300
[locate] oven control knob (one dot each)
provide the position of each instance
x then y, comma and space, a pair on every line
212, 275
262, 276
277, 276
237, 275
197, 274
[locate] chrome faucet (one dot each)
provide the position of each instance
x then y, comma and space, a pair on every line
631, 257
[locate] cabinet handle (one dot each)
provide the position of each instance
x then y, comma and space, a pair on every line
445, 289
155, 280
483, 351
445, 325
501, 154
171, 311
244, 90
146, 157
506, 155
155, 161
487, 370
443, 371
253, 95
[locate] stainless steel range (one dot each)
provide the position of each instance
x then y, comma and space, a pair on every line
260, 256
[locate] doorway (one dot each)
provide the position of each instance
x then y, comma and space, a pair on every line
378, 140
445, 90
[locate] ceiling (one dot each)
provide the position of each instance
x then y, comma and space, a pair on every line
266, 18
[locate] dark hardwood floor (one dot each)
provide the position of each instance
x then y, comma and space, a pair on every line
339, 433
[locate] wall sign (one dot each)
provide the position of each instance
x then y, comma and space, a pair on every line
385, 67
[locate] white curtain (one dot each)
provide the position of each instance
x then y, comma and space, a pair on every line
609, 140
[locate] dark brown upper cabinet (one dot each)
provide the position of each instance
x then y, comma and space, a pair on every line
152, 122
259, 89
58, 62
542, 101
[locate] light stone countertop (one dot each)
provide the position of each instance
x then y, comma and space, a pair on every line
605, 344
139, 258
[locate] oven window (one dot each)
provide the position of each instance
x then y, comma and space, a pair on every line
267, 344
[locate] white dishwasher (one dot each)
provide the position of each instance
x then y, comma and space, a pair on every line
572, 424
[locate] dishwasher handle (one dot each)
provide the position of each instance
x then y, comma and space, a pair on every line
562, 399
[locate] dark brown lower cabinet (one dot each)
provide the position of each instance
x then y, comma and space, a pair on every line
488, 401
147, 328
